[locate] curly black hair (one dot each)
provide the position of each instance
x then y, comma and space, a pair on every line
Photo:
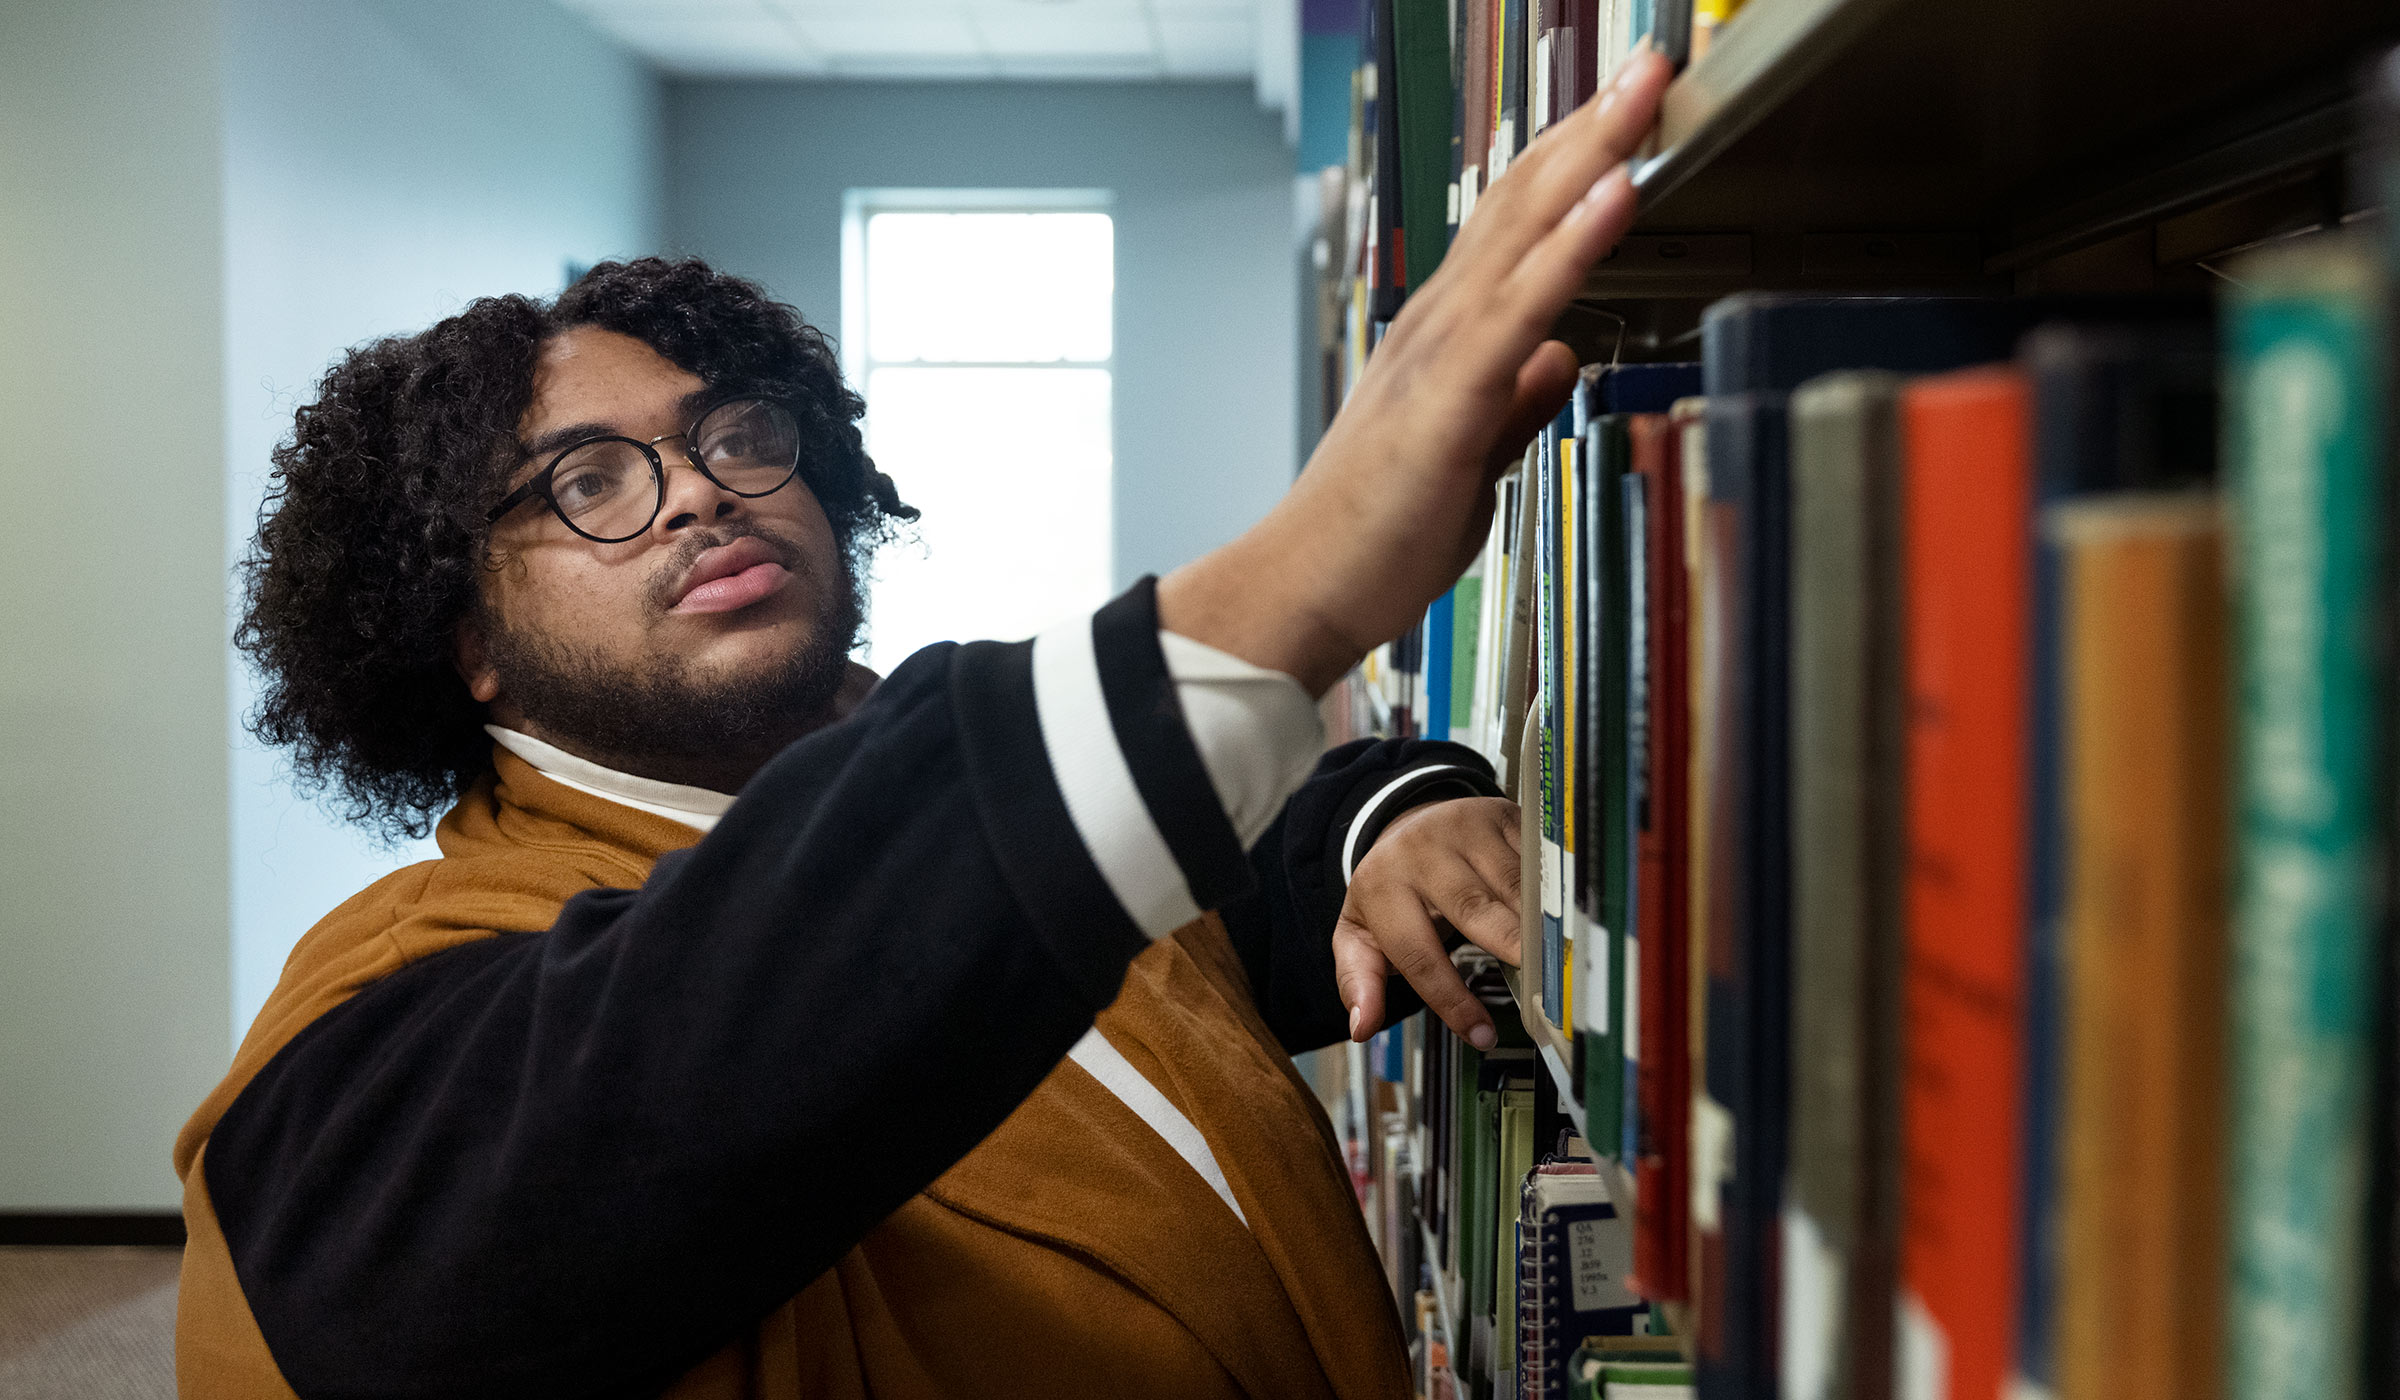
373, 532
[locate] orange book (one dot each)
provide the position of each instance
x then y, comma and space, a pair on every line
1968, 552
2143, 623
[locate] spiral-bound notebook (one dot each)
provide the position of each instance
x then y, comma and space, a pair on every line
1574, 1251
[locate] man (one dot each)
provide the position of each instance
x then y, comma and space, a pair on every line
645, 1088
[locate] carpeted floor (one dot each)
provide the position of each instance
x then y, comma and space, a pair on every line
83, 1322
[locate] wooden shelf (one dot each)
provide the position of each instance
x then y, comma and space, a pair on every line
1928, 143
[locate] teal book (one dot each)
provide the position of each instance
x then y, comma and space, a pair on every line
2304, 438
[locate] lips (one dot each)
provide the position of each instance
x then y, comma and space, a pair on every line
731, 576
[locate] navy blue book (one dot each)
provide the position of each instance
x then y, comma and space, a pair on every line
1574, 1253
1640, 388
1745, 549
1777, 340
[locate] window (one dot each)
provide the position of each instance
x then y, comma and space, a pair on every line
977, 324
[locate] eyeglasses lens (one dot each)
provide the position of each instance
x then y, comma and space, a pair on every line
606, 489
751, 446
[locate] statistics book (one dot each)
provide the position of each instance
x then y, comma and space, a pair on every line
2305, 438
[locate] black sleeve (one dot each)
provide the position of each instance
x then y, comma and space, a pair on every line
576, 1161
1284, 931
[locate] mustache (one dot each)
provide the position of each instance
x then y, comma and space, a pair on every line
660, 595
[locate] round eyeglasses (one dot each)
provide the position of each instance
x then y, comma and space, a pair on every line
610, 489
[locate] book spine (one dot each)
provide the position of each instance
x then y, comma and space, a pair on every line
2304, 439
1663, 1196
1968, 498
1630, 851
1422, 122
2142, 634
1441, 629
1831, 602
2383, 1197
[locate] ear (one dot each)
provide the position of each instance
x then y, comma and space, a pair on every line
473, 661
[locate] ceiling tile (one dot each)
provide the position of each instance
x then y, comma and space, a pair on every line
712, 45
1142, 69
1031, 33
866, 32
1208, 46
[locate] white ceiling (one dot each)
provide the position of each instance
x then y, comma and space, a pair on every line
1030, 39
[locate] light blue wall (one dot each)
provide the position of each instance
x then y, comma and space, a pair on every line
386, 161
112, 672
1206, 374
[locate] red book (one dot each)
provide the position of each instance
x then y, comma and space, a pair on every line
1663, 1086
1968, 551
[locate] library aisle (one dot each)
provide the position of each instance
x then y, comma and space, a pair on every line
1944, 656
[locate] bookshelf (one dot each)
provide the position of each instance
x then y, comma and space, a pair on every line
1988, 145
2060, 161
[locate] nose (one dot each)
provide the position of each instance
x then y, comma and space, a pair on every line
691, 497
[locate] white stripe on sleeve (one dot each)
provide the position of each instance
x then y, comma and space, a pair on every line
1359, 824
1101, 798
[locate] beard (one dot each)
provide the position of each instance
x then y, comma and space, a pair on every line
660, 720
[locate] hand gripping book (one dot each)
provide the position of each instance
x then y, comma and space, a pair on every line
2305, 438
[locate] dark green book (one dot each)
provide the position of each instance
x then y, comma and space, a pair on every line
1605, 834
1421, 44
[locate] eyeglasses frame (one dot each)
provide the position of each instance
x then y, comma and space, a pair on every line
540, 483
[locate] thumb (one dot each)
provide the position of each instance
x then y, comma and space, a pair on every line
1543, 383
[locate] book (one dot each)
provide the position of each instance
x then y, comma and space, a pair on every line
1387, 271
1847, 705
1967, 485
1421, 71
1602, 892
1703, 1139
1642, 388
2382, 175
2116, 407
1516, 1159
1748, 934
1777, 340
1662, 964
2144, 675
1577, 1249
2305, 443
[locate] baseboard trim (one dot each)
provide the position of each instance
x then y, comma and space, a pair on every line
139, 1227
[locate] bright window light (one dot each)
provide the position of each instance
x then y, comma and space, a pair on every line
980, 337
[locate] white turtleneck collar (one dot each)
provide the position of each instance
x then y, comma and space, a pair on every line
695, 807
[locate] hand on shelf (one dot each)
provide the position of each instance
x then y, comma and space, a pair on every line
1451, 863
1397, 498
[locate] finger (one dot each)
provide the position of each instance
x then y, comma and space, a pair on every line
1460, 893
1410, 943
1555, 171
1496, 857
1359, 970
1553, 270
